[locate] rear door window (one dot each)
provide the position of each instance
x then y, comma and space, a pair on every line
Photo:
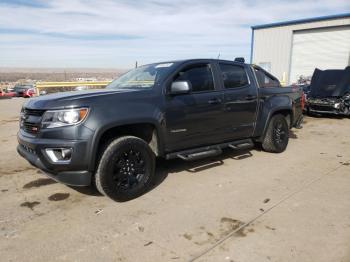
233, 76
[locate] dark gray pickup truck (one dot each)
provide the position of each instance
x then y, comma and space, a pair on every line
183, 109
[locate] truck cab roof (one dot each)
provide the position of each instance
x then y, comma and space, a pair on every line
199, 60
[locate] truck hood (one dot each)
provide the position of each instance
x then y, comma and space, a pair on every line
73, 98
330, 83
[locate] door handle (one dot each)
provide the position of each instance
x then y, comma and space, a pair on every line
215, 101
250, 97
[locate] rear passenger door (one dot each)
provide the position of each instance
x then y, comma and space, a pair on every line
240, 101
195, 119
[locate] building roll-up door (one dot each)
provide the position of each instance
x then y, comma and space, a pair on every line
326, 48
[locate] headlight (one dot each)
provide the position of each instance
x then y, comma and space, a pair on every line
66, 117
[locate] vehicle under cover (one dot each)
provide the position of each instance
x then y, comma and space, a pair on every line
330, 92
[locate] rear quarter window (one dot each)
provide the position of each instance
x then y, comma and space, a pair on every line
264, 80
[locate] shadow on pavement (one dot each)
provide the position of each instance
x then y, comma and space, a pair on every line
165, 167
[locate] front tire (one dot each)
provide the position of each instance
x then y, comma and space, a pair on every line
126, 169
277, 135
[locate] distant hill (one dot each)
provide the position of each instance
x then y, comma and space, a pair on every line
8, 74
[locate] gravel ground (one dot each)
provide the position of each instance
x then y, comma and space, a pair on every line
240, 206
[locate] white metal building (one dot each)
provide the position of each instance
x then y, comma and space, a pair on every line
292, 49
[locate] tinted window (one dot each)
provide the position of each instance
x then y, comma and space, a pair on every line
233, 76
200, 77
265, 80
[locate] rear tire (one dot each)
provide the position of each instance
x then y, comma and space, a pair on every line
277, 135
126, 169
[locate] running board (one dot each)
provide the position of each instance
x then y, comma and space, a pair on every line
213, 150
199, 155
241, 146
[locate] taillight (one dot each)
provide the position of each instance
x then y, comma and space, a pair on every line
29, 92
302, 101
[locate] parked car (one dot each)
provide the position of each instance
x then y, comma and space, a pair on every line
10, 89
6, 93
184, 109
329, 92
24, 90
29, 93
80, 88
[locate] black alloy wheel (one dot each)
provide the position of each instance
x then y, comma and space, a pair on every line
126, 169
277, 135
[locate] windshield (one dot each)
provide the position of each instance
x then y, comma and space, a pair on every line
143, 77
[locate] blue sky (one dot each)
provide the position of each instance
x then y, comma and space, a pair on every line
107, 33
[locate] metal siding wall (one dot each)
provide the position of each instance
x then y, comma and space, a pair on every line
275, 44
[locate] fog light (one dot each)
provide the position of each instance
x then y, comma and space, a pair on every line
59, 155
66, 154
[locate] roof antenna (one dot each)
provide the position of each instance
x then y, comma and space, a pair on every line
218, 56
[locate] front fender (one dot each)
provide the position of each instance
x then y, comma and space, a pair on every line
157, 123
111, 113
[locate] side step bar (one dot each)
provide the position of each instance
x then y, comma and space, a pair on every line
213, 150
199, 155
240, 146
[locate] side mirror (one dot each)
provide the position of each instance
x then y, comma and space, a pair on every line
180, 87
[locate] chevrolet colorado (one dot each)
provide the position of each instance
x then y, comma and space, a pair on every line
181, 109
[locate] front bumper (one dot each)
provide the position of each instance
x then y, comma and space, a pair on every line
325, 109
332, 105
73, 173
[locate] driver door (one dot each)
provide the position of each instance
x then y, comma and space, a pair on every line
195, 119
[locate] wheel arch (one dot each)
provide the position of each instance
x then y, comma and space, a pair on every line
286, 111
145, 130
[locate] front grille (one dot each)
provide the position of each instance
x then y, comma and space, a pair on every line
31, 120
321, 108
33, 112
31, 127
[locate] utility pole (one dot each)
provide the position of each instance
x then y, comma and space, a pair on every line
136, 64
